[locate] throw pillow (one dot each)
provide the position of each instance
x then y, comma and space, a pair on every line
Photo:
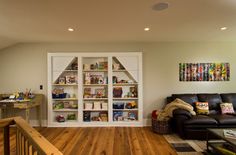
227, 108
202, 108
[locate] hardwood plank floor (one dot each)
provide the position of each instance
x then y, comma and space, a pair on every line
102, 141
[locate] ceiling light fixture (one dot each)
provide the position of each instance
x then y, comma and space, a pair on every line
70, 29
223, 28
146, 29
160, 6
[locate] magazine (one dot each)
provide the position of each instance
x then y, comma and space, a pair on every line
229, 133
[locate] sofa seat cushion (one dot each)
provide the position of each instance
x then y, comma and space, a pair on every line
225, 119
201, 120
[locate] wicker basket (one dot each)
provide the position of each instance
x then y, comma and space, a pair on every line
162, 127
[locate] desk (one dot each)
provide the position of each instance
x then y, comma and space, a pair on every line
25, 105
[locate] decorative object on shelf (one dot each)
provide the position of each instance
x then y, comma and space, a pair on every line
86, 116
94, 79
131, 105
71, 116
58, 105
133, 92
102, 65
103, 116
100, 93
58, 93
70, 105
62, 80
87, 92
114, 79
60, 118
204, 71
74, 66
132, 115
94, 116
117, 92
116, 66
87, 78
86, 67
71, 79
117, 116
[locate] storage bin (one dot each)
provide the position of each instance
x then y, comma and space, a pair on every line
59, 95
161, 127
119, 105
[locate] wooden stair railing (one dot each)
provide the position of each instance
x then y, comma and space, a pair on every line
28, 140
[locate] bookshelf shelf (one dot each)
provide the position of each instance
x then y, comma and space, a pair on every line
65, 110
65, 99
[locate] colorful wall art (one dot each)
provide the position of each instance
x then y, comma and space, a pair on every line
204, 72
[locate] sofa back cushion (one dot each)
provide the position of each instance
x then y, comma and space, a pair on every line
229, 98
189, 98
214, 100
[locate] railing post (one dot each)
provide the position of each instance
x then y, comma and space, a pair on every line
6, 140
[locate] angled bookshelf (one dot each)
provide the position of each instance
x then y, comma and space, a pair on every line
95, 89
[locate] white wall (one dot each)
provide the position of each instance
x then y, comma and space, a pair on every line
25, 66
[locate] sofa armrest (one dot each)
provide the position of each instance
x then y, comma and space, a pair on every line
177, 112
179, 117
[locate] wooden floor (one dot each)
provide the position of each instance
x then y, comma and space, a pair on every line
102, 141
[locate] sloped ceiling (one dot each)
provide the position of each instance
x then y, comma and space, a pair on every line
115, 21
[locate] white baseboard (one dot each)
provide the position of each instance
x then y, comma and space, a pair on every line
35, 123
147, 122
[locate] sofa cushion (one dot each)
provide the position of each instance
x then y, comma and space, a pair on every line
202, 108
230, 98
213, 100
189, 98
227, 108
201, 120
224, 119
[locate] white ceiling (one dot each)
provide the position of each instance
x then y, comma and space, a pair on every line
115, 21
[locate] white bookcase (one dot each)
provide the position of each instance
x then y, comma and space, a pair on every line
95, 89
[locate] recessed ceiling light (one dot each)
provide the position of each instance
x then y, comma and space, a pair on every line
160, 6
146, 29
70, 29
223, 28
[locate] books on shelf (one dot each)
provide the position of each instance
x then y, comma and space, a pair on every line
97, 105
88, 106
104, 106
230, 133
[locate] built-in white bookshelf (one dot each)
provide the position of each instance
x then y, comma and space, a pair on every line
95, 89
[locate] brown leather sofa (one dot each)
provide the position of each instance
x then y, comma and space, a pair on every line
194, 127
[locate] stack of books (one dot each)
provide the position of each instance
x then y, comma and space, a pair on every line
104, 106
97, 105
88, 106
